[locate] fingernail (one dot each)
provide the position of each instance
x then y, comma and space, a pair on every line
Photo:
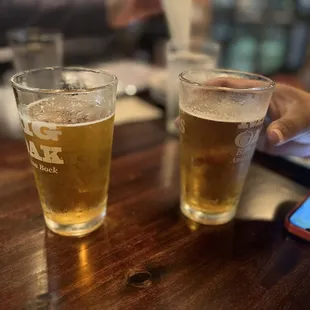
275, 137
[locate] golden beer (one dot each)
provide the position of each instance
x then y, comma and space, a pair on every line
221, 116
215, 157
67, 115
69, 142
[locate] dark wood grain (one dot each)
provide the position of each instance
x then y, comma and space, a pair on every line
147, 255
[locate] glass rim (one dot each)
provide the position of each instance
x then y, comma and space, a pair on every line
271, 84
37, 90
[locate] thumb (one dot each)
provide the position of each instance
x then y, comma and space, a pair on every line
284, 129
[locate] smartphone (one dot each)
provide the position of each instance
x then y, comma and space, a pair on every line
297, 221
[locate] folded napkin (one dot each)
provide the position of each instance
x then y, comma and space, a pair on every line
134, 109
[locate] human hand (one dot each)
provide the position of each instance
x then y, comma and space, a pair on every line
287, 127
131, 10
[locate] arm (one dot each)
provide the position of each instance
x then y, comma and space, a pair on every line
122, 12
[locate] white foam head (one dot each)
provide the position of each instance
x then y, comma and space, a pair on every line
223, 108
65, 112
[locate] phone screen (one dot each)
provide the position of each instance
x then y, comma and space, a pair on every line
301, 217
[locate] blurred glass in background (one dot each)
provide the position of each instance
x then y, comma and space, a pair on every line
35, 48
200, 54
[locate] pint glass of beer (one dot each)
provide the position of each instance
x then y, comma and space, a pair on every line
221, 116
67, 115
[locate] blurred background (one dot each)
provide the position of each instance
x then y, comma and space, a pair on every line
266, 36
128, 38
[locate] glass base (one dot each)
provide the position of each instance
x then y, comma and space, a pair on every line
207, 218
76, 230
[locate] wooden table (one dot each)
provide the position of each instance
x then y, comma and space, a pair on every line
147, 255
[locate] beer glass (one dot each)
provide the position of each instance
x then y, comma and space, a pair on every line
199, 54
35, 48
67, 115
221, 116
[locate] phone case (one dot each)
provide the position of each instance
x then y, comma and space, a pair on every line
295, 230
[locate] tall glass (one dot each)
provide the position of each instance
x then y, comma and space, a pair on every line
221, 116
67, 115
35, 48
199, 54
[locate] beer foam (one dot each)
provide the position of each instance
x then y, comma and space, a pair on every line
219, 112
65, 111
